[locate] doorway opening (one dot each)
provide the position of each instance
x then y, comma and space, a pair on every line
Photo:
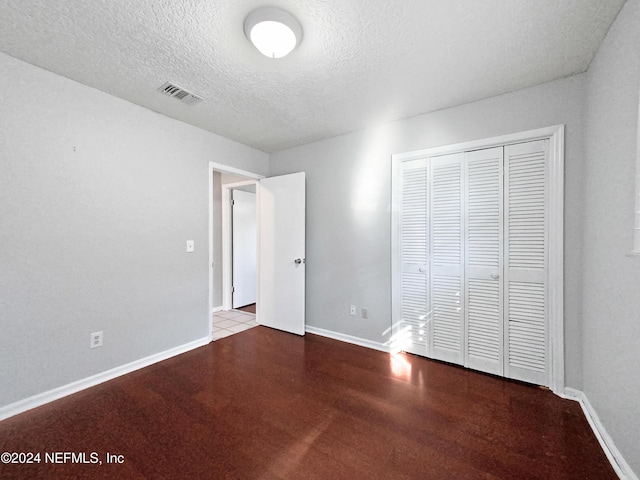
280, 227
239, 248
228, 316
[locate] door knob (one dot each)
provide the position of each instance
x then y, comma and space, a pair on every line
298, 261
495, 276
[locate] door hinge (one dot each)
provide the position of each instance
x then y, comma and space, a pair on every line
233, 202
233, 289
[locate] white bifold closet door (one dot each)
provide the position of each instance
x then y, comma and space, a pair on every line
412, 333
446, 255
466, 259
484, 247
473, 249
526, 262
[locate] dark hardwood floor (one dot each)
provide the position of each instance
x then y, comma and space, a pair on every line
248, 308
264, 404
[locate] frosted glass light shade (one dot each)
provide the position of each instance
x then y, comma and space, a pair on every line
273, 39
274, 32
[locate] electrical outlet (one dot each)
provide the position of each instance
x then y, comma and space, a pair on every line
190, 246
365, 313
352, 311
95, 340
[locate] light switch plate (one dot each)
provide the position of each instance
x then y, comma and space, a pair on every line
191, 246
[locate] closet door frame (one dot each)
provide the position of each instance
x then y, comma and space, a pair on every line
555, 135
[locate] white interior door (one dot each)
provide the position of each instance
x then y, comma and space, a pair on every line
243, 248
281, 252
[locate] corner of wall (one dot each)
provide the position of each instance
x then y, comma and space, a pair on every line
615, 457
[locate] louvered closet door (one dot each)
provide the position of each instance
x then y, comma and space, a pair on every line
446, 258
411, 333
484, 260
526, 251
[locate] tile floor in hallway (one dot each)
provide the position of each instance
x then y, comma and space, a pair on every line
228, 322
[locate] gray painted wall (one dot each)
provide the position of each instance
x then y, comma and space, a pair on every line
612, 279
348, 204
217, 240
97, 199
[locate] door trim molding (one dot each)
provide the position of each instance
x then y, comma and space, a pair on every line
555, 135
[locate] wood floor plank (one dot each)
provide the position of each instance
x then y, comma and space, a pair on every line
263, 404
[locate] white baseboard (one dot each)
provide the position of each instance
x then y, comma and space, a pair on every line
74, 387
348, 338
614, 455
217, 309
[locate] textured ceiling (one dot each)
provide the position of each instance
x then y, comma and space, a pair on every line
361, 62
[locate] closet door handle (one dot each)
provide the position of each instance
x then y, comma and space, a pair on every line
495, 276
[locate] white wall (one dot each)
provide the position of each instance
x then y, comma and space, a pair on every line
611, 279
233, 178
97, 199
348, 204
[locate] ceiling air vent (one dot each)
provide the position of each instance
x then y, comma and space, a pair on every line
179, 93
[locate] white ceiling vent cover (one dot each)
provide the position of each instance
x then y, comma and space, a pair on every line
173, 90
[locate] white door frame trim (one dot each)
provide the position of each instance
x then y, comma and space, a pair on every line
555, 135
219, 167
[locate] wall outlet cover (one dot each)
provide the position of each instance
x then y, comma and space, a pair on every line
95, 340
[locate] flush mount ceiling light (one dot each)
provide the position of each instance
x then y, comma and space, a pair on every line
274, 32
